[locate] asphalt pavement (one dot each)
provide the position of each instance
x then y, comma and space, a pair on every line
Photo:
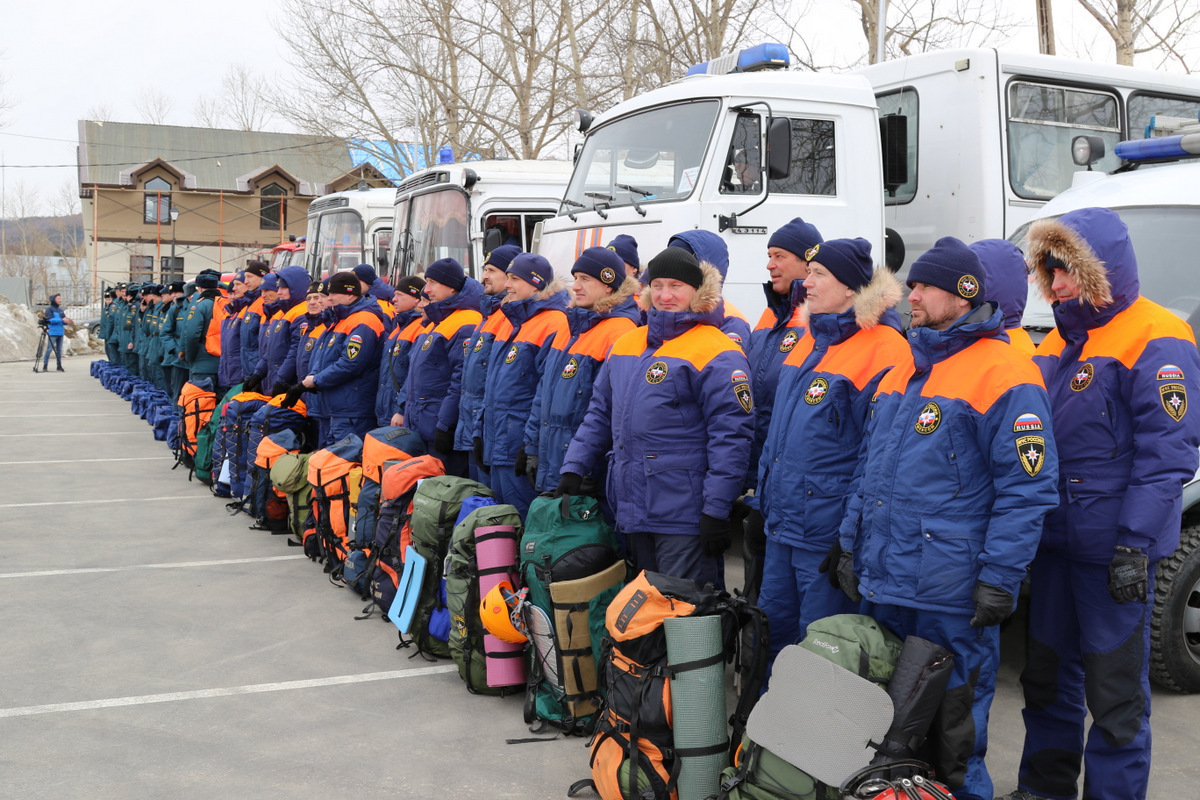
152, 646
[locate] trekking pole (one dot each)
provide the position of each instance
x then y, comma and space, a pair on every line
41, 348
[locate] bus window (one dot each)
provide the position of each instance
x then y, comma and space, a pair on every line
903, 103
1142, 106
1042, 121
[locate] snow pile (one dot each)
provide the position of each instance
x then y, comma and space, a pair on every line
18, 332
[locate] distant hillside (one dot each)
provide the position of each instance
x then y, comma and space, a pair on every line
57, 234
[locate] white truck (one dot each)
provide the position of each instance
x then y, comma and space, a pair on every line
738, 147
988, 133
349, 228
463, 210
1158, 198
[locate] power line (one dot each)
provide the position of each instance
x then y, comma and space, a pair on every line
187, 159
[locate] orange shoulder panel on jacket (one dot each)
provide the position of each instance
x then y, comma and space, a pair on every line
733, 312
865, 354
630, 344
463, 317
699, 346
498, 325
410, 331
799, 352
766, 321
257, 306
316, 331
296, 310
1125, 337
596, 342
372, 321
544, 326
980, 374
389, 309
1019, 338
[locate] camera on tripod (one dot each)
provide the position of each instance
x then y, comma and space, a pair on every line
43, 322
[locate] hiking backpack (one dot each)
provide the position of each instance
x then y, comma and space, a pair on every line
380, 446
393, 532
335, 474
289, 475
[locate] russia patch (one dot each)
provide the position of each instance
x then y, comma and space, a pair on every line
738, 376
1026, 423
1170, 372
354, 337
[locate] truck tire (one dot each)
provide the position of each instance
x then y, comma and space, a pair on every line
1175, 624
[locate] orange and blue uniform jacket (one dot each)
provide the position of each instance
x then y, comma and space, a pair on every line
566, 388
540, 333
1120, 377
824, 390
230, 371
316, 328
957, 470
674, 406
279, 337
436, 359
349, 361
475, 367
249, 321
393, 366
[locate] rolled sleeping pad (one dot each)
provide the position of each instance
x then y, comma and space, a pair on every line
916, 688
496, 559
698, 703
571, 601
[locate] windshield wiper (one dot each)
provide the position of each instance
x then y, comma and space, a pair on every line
599, 203
632, 191
569, 202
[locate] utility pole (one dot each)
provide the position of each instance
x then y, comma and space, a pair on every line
1045, 23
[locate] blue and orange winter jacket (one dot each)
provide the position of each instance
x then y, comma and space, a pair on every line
230, 371
711, 248
349, 361
393, 366
307, 357
475, 368
783, 323
436, 359
957, 470
1120, 370
250, 319
825, 386
566, 387
540, 332
674, 406
280, 336
1006, 283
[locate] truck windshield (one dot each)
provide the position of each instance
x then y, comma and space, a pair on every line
647, 157
437, 228
1164, 239
337, 242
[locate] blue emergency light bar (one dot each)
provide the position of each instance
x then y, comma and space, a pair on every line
1181, 146
768, 55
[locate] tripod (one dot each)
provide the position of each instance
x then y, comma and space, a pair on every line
41, 350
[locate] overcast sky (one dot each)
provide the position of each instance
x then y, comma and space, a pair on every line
63, 58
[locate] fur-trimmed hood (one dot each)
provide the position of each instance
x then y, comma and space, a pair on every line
706, 307
1094, 245
872, 304
554, 296
618, 304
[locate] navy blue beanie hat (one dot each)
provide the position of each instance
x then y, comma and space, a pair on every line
625, 246
270, 283
796, 237
532, 268
366, 273
849, 260
603, 264
952, 266
447, 272
502, 256
207, 280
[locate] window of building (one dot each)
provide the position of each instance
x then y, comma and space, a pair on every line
158, 202
141, 269
272, 211
172, 269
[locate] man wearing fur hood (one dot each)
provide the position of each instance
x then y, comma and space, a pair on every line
824, 392
674, 406
604, 310
536, 309
1120, 370
958, 469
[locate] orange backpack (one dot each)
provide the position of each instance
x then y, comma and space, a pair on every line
393, 532
335, 474
197, 404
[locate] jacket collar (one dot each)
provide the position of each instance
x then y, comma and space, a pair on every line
930, 347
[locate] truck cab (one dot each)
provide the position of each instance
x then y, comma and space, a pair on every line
349, 228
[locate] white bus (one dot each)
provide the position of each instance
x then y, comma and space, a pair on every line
349, 228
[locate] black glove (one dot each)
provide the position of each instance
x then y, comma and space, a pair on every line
839, 564
568, 483
293, 394
829, 564
280, 388
755, 533
531, 467
992, 605
251, 383
443, 441
477, 453
716, 535
521, 464
1127, 575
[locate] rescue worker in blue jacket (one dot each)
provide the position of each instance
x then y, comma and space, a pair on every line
229, 369
252, 316
674, 406
393, 365
316, 320
958, 469
779, 329
349, 366
436, 360
478, 354
604, 311
710, 248
1006, 278
281, 335
1120, 370
535, 308
825, 387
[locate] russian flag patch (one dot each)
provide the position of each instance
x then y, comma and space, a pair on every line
1026, 423
1170, 372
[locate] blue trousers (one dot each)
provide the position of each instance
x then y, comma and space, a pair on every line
341, 427
1087, 652
55, 344
511, 488
675, 554
794, 594
958, 737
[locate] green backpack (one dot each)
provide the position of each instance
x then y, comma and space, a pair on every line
573, 569
289, 474
436, 505
206, 436
462, 594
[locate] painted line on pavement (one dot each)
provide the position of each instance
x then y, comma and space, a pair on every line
60, 416
88, 460
141, 432
173, 565
111, 500
146, 699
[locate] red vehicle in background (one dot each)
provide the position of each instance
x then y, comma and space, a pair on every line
289, 253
